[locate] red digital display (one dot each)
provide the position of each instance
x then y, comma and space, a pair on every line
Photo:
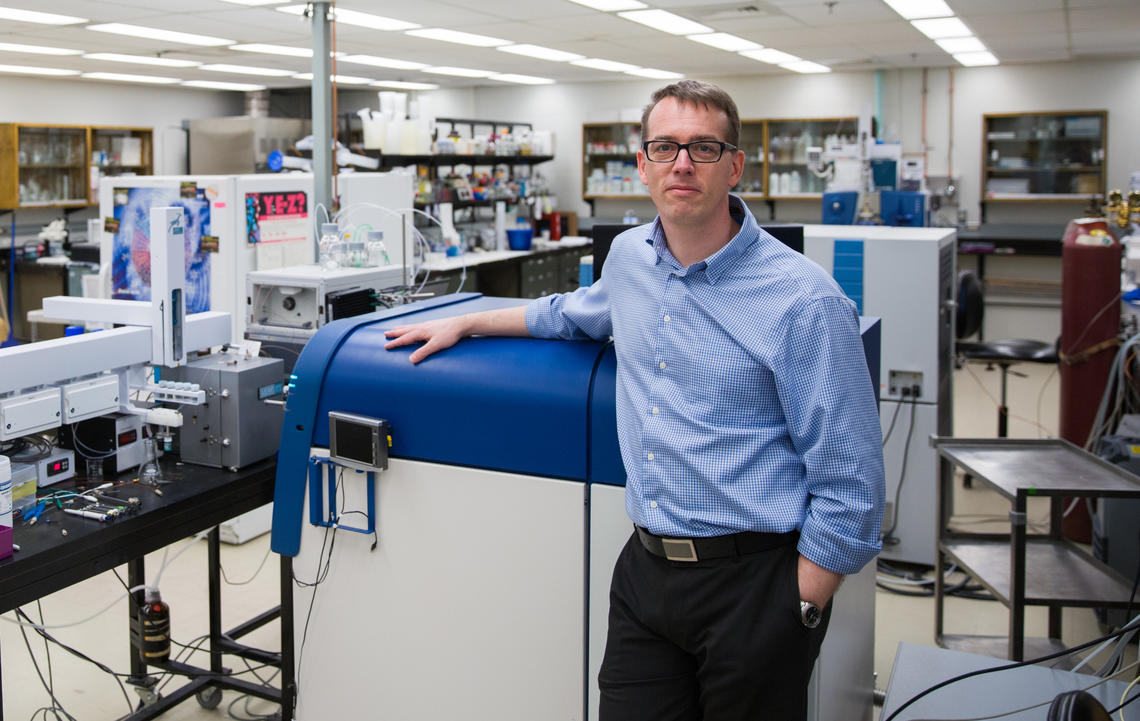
127, 438
272, 205
57, 467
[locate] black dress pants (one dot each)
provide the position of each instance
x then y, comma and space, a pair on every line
716, 640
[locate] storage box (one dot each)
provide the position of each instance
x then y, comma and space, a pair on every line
24, 483
5, 541
1082, 127
1086, 184
1007, 185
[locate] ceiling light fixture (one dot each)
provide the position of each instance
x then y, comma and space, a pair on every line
654, 73
611, 5
666, 22
142, 60
379, 62
918, 9
31, 70
610, 66
939, 28
403, 85
249, 3
460, 72
37, 49
537, 51
355, 17
126, 78
248, 70
521, 79
771, 56
805, 66
219, 85
961, 45
266, 49
31, 16
725, 41
144, 33
341, 79
455, 36
976, 59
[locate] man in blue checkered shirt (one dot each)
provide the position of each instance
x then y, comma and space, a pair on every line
747, 425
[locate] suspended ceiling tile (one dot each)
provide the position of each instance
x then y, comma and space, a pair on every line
1016, 23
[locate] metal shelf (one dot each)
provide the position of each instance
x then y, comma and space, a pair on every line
996, 646
1057, 573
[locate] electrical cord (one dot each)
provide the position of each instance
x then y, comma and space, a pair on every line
1124, 703
891, 427
322, 575
249, 580
1006, 667
889, 537
56, 705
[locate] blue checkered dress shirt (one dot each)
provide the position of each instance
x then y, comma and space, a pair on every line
743, 397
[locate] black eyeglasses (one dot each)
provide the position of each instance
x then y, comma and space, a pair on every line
700, 151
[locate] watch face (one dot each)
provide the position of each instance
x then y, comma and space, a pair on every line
810, 614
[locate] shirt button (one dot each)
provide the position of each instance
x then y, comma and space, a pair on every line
653, 504
656, 410
650, 456
662, 365
666, 319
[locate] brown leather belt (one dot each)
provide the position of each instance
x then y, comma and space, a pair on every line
702, 549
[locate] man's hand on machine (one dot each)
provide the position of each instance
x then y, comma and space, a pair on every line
436, 335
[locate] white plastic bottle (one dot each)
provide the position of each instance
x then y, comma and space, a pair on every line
377, 252
330, 246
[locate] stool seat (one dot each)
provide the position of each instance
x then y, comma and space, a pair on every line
1009, 350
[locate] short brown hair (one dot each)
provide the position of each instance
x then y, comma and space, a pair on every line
696, 92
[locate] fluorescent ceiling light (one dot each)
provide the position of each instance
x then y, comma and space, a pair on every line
455, 36
355, 17
522, 79
611, 66
654, 73
30, 70
611, 5
143, 33
37, 49
918, 9
142, 60
939, 28
340, 79
961, 45
666, 22
380, 62
248, 70
403, 85
974, 59
770, 55
250, 3
725, 41
805, 66
460, 72
31, 16
219, 85
537, 51
265, 49
125, 78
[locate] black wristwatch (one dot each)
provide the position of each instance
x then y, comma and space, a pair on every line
810, 614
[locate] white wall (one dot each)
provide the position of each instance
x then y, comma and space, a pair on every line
72, 102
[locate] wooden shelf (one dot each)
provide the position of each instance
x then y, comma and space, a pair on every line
1039, 197
1049, 169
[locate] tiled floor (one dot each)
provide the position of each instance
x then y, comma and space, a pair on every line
91, 695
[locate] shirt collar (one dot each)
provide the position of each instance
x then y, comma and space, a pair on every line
717, 263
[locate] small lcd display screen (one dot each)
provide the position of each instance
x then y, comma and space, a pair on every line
57, 467
129, 437
353, 441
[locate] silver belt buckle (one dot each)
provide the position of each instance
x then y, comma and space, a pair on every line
679, 549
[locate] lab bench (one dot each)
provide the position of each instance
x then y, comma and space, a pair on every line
552, 268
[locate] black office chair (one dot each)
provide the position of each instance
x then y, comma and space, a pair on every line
1002, 353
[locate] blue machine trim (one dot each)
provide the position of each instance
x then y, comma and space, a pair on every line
301, 414
847, 269
328, 517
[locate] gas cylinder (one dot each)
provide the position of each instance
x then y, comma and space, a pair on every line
1090, 321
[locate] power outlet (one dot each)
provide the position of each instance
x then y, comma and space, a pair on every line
900, 383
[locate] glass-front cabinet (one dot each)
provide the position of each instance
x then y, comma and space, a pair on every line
42, 166
751, 144
788, 141
1044, 156
609, 166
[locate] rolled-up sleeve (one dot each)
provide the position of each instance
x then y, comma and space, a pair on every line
580, 315
827, 398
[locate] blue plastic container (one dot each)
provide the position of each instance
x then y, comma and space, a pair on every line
519, 238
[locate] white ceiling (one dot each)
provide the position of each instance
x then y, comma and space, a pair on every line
844, 35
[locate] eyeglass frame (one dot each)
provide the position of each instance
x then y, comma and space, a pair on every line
685, 146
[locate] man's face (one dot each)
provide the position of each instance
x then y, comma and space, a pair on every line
688, 193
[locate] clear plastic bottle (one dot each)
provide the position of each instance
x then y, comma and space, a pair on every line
377, 252
330, 246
